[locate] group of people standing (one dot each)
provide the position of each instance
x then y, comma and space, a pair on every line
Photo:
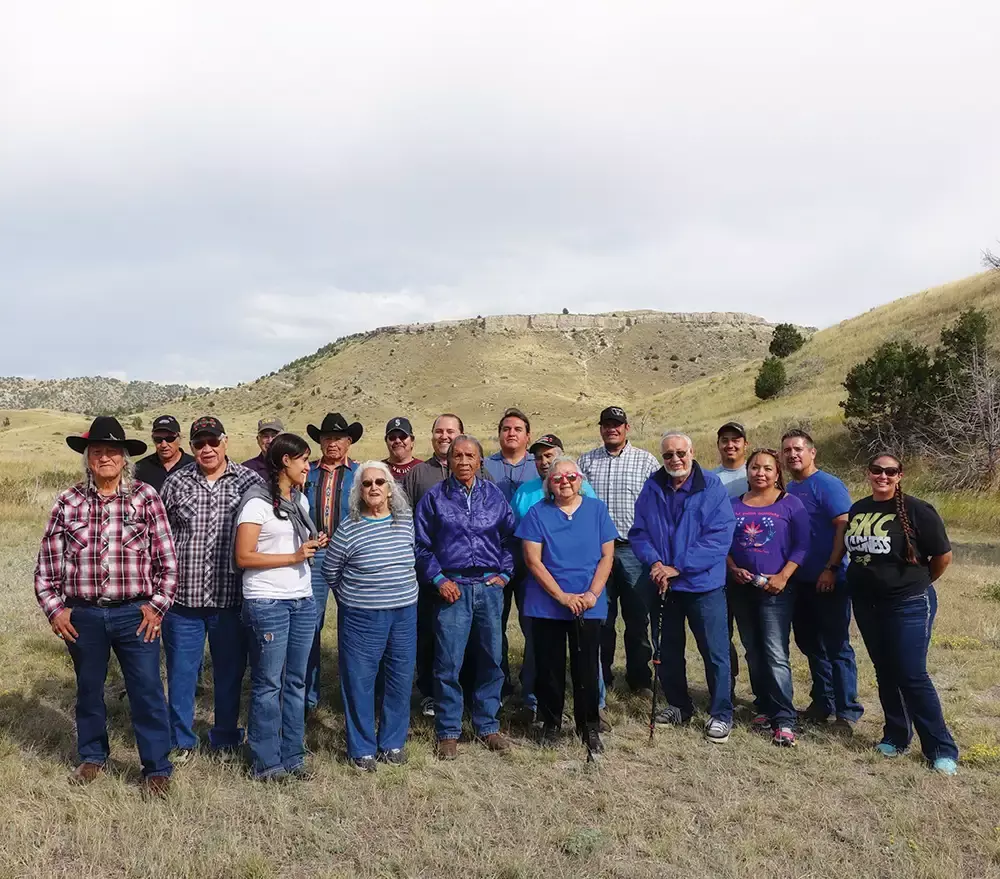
427, 559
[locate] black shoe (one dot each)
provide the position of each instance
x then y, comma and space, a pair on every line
550, 735
364, 764
814, 714
593, 741
395, 756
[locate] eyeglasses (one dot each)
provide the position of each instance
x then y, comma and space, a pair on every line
560, 478
680, 456
876, 470
368, 483
168, 438
202, 441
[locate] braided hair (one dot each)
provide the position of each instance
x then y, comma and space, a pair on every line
283, 444
780, 482
904, 517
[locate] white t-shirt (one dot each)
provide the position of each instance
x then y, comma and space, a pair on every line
276, 536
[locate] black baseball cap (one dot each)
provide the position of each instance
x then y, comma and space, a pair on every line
735, 427
207, 424
546, 441
613, 413
402, 424
166, 424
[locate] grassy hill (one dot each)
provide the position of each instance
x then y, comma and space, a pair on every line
96, 394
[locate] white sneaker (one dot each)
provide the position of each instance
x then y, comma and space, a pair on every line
717, 731
427, 706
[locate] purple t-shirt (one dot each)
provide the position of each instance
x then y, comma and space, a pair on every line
766, 538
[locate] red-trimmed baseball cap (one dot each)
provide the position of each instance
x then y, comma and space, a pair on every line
207, 424
546, 441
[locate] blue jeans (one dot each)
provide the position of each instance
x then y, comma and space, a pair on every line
765, 624
822, 625
368, 639
707, 616
321, 592
628, 587
101, 630
476, 616
280, 633
897, 635
184, 632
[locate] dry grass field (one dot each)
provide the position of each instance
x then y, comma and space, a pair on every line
678, 807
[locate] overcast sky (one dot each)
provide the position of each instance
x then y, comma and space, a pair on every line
203, 191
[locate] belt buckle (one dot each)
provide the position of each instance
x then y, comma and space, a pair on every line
103, 602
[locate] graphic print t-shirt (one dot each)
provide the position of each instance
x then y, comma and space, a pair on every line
766, 538
876, 547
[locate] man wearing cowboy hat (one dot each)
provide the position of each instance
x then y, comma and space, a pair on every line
327, 488
106, 573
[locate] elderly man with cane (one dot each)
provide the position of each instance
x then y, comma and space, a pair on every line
106, 574
683, 530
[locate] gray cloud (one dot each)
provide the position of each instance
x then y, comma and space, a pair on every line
249, 182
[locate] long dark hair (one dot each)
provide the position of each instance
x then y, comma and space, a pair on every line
780, 481
904, 517
290, 444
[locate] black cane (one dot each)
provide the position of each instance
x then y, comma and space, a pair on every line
579, 697
656, 664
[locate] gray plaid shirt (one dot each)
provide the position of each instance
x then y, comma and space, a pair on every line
202, 521
618, 479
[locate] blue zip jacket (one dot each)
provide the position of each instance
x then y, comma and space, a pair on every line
312, 480
697, 542
461, 536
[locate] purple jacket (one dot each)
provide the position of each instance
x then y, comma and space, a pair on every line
461, 536
258, 465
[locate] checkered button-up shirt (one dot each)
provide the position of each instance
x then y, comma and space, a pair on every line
202, 520
618, 479
116, 548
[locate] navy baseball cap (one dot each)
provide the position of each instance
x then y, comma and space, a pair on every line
402, 424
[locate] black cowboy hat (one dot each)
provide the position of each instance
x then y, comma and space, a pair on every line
106, 429
334, 422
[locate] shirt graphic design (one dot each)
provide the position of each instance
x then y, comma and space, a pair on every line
756, 532
867, 535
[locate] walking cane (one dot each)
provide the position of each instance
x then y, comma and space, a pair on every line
656, 664
578, 695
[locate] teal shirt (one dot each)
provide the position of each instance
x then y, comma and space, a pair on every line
530, 493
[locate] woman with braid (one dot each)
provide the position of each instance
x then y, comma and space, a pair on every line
275, 543
898, 547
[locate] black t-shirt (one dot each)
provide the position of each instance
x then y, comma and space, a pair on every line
876, 547
151, 470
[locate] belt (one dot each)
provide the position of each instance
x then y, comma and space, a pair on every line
103, 602
620, 541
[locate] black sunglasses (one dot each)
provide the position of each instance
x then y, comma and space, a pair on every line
876, 470
169, 438
679, 455
202, 441
368, 483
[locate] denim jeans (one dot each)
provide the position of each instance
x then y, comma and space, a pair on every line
474, 617
280, 633
765, 624
184, 632
706, 614
897, 635
369, 639
101, 630
822, 626
321, 592
628, 587
514, 594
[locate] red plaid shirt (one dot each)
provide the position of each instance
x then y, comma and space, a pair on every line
118, 548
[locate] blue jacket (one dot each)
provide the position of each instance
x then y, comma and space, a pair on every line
463, 537
698, 542
312, 480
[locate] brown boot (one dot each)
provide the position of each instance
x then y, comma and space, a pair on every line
156, 787
85, 773
497, 742
447, 749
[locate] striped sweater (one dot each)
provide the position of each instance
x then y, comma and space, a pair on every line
369, 563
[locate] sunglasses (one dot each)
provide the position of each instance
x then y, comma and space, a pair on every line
368, 483
560, 478
202, 441
680, 456
169, 438
876, 470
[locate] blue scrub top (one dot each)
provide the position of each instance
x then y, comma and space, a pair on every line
571, 551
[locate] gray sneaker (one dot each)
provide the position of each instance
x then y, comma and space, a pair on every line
670, 716
717, 731
427, 706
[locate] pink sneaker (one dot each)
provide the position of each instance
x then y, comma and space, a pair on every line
784, 737
761, 724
